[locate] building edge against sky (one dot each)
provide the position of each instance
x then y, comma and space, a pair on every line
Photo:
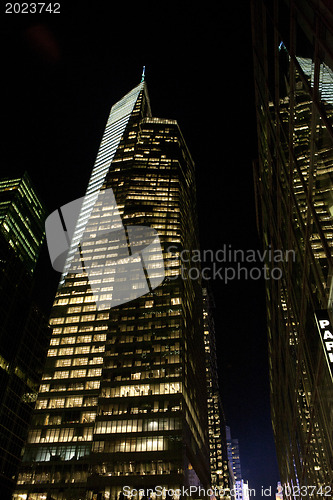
24, 332
22, 217
124, 399
293, 62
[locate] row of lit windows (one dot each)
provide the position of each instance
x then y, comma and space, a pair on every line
144, 352
77, 319
68, 351
113, 469
46, 453
138, 468
77, 386
86, 349
152, 188
92, 372
76, 309
49, 477
158, 335
128, 362
144, 324
93, 249
81, 328
153, 198
62, 374
87, 401
166, 347
60, 435
149, 425
169, 372
79, 339
158, 443
61, 402
146, 337
75, 296
72, 300
141, 390
73, 361
152, 348
157, 314
160, 406
56, 418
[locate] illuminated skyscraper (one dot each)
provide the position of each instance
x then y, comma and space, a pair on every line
233, 456
292, 42
220, 477
23, 328
22, 217
123, 397
242, 490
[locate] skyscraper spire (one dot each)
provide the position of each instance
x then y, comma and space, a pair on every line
143, 74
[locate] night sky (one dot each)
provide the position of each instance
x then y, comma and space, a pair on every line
60, 76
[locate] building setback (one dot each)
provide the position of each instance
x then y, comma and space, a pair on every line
24, 332
292, 47
123, 399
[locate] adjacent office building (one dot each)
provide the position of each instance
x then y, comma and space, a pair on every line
233, 457
241, 490
219, 467
22, 217
123, 399
24, 332
293, 63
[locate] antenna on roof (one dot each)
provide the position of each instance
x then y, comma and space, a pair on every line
143, 74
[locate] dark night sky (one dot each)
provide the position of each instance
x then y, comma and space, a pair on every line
61, 75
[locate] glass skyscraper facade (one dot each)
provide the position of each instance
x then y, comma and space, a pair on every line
24, 332
293, 61
123, 399
219, 468
234, 456
22, 217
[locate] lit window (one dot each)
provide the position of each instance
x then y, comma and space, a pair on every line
78, 373
61, 374
175, 301
67, 351
80, 361
75, 401
94, 372
57, 403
